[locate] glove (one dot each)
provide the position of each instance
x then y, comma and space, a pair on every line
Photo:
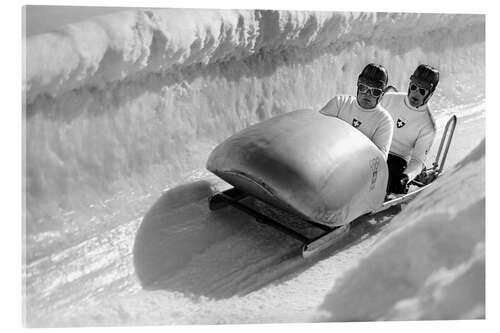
401, 185
427, 176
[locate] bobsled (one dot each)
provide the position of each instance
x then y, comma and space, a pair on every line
314, 166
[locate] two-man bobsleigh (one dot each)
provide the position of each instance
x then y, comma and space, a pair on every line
316, 167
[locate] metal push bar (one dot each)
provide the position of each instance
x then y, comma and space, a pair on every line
438, 164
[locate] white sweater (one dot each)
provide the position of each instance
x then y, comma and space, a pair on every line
375, 123
414, 132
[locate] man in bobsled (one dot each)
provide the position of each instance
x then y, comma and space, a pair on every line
364, 111
415, 128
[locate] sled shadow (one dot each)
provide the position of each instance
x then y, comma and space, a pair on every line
176, 228
182, 246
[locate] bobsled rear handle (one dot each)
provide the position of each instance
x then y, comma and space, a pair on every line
444, 146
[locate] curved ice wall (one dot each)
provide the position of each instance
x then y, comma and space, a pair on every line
135, 100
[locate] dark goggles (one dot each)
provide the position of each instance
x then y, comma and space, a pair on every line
422, 91
375, 92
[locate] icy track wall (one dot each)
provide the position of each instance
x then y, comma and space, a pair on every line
429, 264
136, 100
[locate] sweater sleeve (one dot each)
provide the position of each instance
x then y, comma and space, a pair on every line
332, 108
422, 145
414, 168
382, 137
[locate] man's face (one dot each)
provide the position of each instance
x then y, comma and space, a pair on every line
417, 94
368, 96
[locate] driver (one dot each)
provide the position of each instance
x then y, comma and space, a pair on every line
415, 128
364, 111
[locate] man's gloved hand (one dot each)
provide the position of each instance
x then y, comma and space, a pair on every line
427, 176
401, 186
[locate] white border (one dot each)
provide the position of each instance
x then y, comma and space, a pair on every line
11, 156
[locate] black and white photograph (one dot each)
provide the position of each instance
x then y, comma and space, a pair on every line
218, 166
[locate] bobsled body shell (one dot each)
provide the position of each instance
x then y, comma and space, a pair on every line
313, 165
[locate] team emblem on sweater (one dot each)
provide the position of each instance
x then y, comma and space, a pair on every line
356, 123
400, 123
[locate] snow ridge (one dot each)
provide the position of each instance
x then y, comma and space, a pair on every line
129, 44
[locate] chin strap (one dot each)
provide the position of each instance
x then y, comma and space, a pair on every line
426, 98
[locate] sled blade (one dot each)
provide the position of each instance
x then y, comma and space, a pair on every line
325, 241
263, 219
219, 201
399, 200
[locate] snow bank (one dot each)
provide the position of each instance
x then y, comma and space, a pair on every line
430, 262
130, 44
122, 106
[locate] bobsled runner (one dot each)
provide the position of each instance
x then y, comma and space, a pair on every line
315, 167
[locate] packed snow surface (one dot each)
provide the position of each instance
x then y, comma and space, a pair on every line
430, 261
121, 113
